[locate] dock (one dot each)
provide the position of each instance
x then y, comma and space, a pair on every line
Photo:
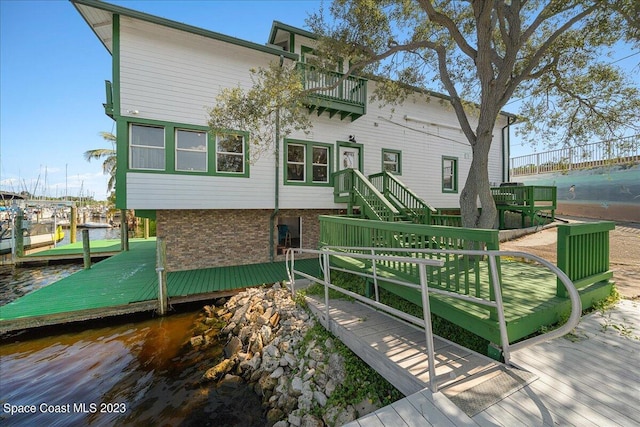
71, 252
589, 378
127, 283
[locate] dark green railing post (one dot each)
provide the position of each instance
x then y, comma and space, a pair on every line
583, 253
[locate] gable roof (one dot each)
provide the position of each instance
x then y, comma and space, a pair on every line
99, 16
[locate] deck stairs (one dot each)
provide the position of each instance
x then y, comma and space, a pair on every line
381, 197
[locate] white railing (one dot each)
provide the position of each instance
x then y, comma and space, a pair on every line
422, 263
604, 153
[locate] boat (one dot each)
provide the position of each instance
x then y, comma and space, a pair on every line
36, 235
91, 224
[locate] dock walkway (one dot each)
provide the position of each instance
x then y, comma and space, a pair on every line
127, 283
590, 378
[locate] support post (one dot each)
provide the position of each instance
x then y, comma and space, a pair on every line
146, 228
19, 234
73, 224
124, 230
161, 262
86, 249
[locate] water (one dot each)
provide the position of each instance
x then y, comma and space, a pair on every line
135, 372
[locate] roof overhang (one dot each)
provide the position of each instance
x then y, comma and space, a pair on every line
99, 16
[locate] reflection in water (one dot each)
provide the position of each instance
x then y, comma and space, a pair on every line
142, 373
16, 282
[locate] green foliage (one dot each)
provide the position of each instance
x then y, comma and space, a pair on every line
274, 103
109, 164
361, 381
608, 302
440, 326
347, 281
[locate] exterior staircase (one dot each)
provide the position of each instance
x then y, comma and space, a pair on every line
381, 197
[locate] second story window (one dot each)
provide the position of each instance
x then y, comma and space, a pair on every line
147, 147
191, 151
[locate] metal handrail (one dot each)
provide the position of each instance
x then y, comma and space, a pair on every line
422, 263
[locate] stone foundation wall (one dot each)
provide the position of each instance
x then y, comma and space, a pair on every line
221, 237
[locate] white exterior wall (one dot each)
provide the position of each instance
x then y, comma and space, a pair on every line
173, 76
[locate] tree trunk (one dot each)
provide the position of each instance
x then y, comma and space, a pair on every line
477, 188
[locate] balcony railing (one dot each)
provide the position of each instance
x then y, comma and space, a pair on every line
348, 98
606, 153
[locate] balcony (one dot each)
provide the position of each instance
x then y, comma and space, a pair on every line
348, 99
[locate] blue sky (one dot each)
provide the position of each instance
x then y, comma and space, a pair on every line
52, 72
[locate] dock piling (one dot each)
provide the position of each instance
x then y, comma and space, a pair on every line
19, 234
73, 224
161, 261
86, 249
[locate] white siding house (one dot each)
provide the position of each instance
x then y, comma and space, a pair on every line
214, 206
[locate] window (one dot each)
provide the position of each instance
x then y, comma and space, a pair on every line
391, 161
191, 151
308, 163
230, 153
147, 147
320, 164
295, 162
449, 174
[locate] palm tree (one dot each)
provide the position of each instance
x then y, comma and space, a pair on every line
109, 155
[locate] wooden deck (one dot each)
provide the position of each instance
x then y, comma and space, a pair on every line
127, 283
73, 251
590, 378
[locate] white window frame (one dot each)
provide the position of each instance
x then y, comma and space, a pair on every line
231, 153
188, 150
325, 165
132, 146
303, 162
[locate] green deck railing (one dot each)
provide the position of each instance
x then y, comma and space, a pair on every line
405, 200
460, 273
450, 217
532, 297
528, 200
352, 187
583, 253
352, 90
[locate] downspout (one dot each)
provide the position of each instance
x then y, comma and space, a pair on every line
276, 207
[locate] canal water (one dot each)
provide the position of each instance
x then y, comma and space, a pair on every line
136, 371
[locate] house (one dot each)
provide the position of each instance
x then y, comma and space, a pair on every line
213, 205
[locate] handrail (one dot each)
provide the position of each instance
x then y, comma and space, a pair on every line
394, 189
370, 254
364, 192
603, 153
352, 89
